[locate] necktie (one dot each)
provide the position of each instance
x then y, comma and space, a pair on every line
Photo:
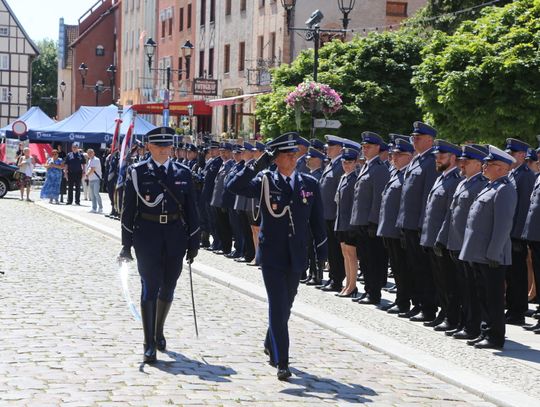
288, 180
162, 172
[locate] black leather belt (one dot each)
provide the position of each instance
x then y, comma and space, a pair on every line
163, 219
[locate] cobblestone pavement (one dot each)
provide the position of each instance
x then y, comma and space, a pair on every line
68, 338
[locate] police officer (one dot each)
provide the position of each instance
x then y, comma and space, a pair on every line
418, 179
291, 204
532, 160
191, 155
74, 164
517, 289
437, 209
328, 184
487, 245
210, 171
401, 153
303, 146
111, 165
229, 201
450, 237
368, 189
159, 220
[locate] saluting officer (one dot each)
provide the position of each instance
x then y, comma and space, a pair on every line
418, 179
487, 245
517, 289
451, 237
401, 153
159, 219
437, 209
368, 189
291, 204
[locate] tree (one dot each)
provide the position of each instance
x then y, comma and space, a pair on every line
45, 77
482, 82
372, 75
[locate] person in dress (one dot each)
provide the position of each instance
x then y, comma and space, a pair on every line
25, 162
55, 172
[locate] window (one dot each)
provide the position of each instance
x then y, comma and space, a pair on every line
4, 31
241, 56
181, 19
203, 12
212, 11
188, 16
4, 92
170, 26
211, 63
163, 24
227, 59
228, 7
201, 64
261, 3
126, 5
273, 46
396, 9
260, 46
4, 62
180, 67
100, 51
242, 5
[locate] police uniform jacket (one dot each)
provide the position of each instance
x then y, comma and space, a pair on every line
283, 241
191, 163
243, 203
344, 202
301, 165
368, 190
487, 233
148, 236
523, 179
453, 228
531, 230
219, 186
390, 201
210, 171
328, 184
317, 174
437, 206
112, 162
418, 179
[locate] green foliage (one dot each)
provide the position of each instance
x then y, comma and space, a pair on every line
482, 82
372, 74
45, 77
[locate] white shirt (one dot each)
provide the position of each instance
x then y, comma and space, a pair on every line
96, 165
291, 183
27, 165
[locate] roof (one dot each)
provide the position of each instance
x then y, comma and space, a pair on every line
102, 17
21, 27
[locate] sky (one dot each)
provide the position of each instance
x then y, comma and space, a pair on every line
40, 18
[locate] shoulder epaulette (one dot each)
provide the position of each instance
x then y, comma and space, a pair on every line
308, 176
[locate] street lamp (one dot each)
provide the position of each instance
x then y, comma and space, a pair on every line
288, 5
62, 88
83, 70
111, 70
9, 96
150, 49
346, 6
187, 50
190, 114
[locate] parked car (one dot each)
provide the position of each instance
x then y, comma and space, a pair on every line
38, 174
9, 174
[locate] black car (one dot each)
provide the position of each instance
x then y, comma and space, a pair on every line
9, 174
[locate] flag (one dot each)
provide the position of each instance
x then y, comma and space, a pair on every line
116, 134
125, 155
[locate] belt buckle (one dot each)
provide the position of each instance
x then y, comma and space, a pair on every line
162, 219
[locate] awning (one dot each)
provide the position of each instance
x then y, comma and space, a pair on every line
232, 100
175, 108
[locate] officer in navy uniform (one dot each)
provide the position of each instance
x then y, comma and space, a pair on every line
401, 153
443, 275
160, 221
74, 165
191, 155
222, 201
517, 289
229, 201
532, 160
488, 247
111, 163
210, 171
450, 237
368, 189
531, 233
328, 184
301, 163
317, 145
291, 204
418, 179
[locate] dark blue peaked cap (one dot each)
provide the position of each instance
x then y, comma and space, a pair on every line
513, 144
316, 143
287, 143
532, 154
402, 146
443, 146
313, 152
423, 128
164, 136
472, 152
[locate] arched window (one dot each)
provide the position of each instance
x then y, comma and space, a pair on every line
100, 51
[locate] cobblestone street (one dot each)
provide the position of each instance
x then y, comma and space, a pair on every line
69, 339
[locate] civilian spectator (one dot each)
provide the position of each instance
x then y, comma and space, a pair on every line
55, 172
26, 165
93, 178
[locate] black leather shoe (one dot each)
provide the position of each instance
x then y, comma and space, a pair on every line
411, 313
148, 316
305, 280
332, 288
437, 319
232, 255
463, 334
532, 327
242, 260
369, 300
445, 326
271, 359
314, 281
162, 312
283, 373
474, 341
515, 320
421, 317
352, 294
396, 309
451, 332
386, 307
360, 297
487, 344
325, 284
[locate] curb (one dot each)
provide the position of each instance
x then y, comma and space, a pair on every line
498, 394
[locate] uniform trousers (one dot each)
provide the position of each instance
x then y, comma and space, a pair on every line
224, 229
372, 251
159, 273
517, 288
468, 298
535, 254
281, 288
234, 221
444, 278
335, 256
399, 264
74, 182
249, 247
420, 275
211, 212
490, 289
110, 191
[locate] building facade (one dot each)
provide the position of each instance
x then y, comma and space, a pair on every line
17, 51
66, 35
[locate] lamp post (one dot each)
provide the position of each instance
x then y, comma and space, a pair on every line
150, 50
346, 6
111, 71
62, 88
9, 96
288, 5
98, 87
83, 71
190, 114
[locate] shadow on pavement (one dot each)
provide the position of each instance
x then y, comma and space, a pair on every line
516, 350
182, 365
311, 385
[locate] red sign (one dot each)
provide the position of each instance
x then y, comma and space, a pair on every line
200, 108
19, 128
